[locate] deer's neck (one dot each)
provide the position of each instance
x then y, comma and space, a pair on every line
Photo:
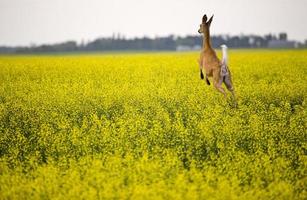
207, 40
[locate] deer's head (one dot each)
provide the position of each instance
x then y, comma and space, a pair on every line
205, 25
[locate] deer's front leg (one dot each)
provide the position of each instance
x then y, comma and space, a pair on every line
200, 68
207, 80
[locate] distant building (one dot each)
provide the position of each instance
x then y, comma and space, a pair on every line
282, 44
188, 48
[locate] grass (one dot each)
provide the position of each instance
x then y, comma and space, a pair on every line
144, 126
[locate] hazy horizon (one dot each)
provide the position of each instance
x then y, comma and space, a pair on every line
26, 22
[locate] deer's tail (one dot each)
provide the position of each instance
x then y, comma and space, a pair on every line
224, 54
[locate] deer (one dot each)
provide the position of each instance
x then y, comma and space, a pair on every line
210, 63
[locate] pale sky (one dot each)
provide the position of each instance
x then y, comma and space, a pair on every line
25, 22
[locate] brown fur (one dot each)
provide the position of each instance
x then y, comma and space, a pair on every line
208, 59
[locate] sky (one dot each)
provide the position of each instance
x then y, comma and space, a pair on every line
28, 22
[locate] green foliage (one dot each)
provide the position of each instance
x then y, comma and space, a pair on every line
144, 126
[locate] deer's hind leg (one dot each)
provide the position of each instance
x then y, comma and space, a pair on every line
228, 82
217, 82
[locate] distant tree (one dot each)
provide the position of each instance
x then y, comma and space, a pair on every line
283, 36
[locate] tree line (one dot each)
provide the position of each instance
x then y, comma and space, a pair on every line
167, 43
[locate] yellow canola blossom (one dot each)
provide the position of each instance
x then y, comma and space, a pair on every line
145, 126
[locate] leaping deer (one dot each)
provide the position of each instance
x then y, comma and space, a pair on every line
211, 64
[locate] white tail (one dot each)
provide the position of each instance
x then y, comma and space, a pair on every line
224, 55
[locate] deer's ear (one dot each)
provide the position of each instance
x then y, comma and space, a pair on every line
210, 20
204, 18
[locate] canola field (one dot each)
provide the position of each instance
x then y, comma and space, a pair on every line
145, 126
